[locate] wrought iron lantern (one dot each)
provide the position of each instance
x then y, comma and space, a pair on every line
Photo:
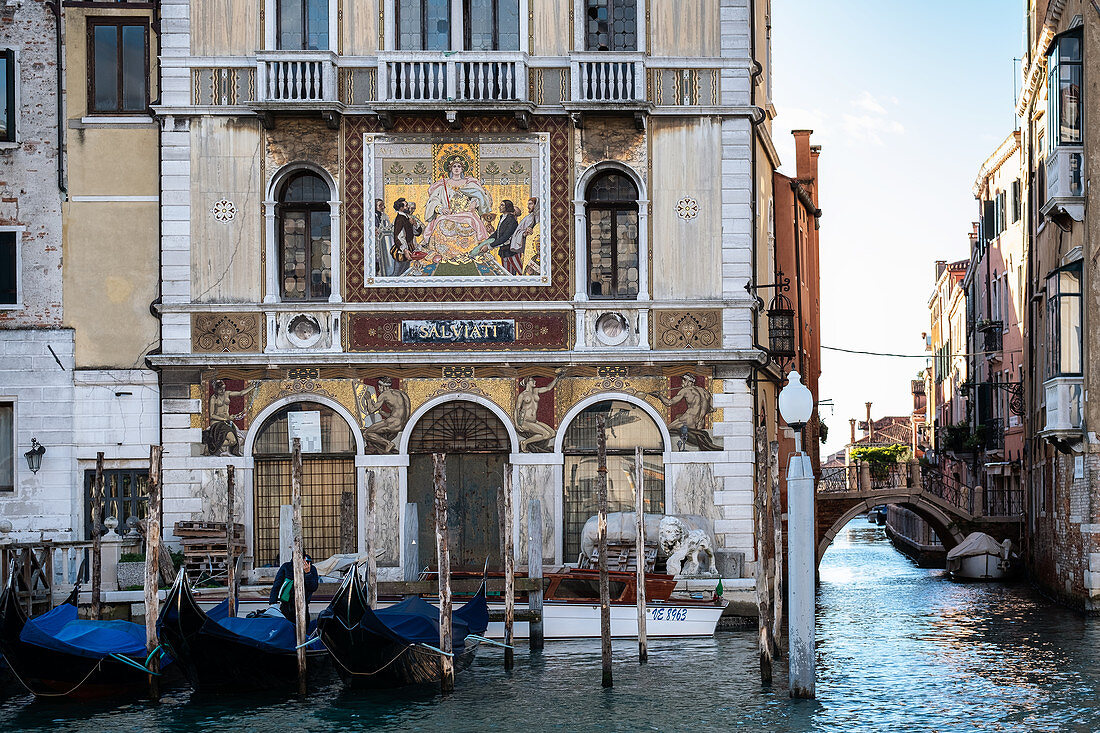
34, 455
781, 320
781, 330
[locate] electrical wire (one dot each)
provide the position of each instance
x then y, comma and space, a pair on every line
920, 356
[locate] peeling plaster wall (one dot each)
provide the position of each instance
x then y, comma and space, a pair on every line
387, 496
29, 196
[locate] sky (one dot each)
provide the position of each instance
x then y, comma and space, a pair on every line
907, 99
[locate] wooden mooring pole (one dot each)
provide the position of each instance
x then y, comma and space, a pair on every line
443, 556
534, 572
509, 568
605, 586
764, 547
230, 563
152, 569
301, 618
97, 544
372, 559
639, 530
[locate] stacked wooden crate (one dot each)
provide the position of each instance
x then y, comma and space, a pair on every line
205, 549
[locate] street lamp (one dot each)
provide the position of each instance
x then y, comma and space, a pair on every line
796, 405
34, 455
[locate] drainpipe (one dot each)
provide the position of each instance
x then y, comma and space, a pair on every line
55, 8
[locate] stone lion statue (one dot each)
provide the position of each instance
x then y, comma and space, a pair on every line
689, 551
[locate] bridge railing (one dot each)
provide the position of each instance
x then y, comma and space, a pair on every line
838, 479
947, 488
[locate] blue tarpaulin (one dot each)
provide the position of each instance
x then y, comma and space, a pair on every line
61, 630
415, 621
265, 632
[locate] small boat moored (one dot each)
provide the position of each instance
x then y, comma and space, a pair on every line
980, 557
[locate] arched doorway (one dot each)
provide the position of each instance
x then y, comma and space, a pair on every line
628, 426
477, 445
328, 482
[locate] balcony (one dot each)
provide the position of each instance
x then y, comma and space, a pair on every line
470, 79
993, 433
992, 341
296, 79
1065, 182
607, 81
1064, 409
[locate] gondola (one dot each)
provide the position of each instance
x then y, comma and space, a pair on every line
398, 645
220, 654
57, 654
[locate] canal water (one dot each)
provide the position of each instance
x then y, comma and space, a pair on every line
899, 649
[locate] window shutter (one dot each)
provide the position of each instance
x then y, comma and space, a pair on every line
988, 231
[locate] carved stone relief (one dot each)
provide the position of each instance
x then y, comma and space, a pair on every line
213, 333
694, 329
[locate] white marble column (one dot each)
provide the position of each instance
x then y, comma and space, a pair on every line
336, 264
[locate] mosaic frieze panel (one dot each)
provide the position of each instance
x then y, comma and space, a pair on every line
215, 333
687, 329
383, 404
484, 173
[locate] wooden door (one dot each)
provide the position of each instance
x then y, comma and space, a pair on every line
472, 519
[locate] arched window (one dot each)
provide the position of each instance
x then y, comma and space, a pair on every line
305, 234
612, 211
628, 426
328, 480
302, 25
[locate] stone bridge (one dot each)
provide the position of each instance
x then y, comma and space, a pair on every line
950, 508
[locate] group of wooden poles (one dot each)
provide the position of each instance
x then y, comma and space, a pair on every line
154, 549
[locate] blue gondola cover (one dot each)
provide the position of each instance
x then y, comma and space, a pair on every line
61, 630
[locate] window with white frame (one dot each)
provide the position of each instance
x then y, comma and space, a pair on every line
8, 78
423, 25
9, 269
1064, 320
491, 25
7, 446
302, 25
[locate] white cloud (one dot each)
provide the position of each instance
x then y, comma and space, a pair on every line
868, 103
873, 124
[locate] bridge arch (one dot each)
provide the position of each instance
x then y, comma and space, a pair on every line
943, 524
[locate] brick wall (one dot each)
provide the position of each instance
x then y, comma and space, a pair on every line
29, 196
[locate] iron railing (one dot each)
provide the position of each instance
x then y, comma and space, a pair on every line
954, 492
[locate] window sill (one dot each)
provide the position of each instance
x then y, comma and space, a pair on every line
5, 145
113, 121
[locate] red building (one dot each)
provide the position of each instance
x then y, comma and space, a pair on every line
797, 251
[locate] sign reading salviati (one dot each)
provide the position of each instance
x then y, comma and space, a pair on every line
458, 331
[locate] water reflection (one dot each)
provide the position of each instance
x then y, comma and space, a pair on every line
899, 649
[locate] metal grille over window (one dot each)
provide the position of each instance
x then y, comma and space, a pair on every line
627, 426
125, 497
459, 427
328, 481
305, 238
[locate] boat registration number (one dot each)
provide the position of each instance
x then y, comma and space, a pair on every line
670, 614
